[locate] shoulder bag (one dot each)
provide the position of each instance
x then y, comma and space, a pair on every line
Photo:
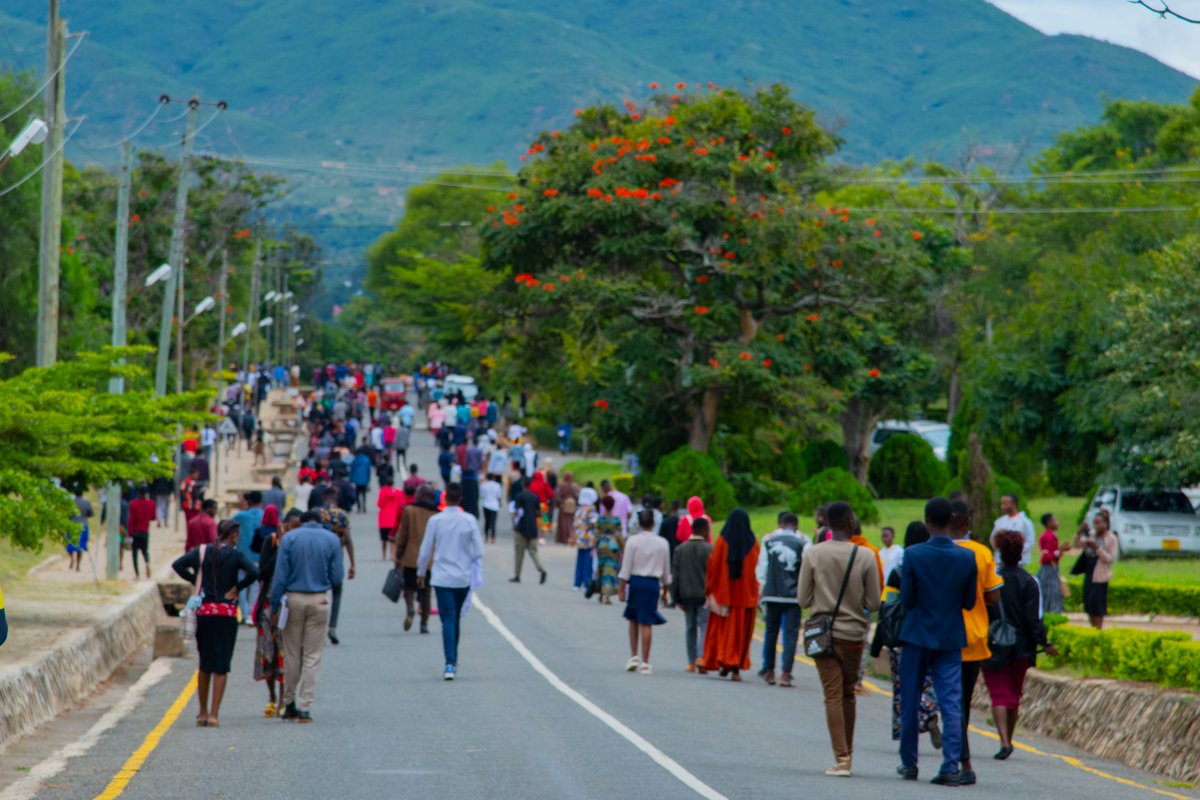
393, 585
1003, 641
818, 628
187, 617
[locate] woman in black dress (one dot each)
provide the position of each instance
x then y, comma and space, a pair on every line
216, 621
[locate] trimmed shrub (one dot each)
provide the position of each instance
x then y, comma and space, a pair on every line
821, 455
905, 466
623, 482
756, 490
790, 467
687, 472
834, 485
1169, 658
1141, 598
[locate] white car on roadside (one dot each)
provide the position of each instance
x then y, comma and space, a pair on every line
936, 433
1160, 521
460, 383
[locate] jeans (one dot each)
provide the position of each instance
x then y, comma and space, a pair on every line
337, 605
450, 601
695, 620
489, 523
787, 617
162, 504
246, 600
945, 667
839, 674
970, 676
583, 568
3, 627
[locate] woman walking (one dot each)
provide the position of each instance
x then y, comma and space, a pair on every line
218, 566
645, 575
1099, 552
732, 592
268, 642
608, 549
1021, 607
585, 536
566, 500
390, 503
1048, 576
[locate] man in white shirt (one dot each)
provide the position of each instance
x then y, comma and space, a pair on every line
891, 553
453, 543
490, 495
1012, 518
208, 438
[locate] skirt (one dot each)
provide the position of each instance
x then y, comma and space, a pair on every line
642, 605
1095, 598
215, 638
1052, 597
1006, 685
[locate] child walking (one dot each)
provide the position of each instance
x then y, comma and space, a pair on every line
645, 576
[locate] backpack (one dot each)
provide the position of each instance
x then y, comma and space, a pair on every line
1003, 640
569, 504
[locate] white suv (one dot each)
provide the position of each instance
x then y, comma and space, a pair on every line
1149, 520
936, 433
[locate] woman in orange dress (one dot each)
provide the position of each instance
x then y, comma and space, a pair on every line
732, 592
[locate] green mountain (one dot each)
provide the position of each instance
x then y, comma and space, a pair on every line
440, 82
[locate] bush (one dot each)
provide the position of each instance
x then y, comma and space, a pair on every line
756, 490
821, 455
623, 482
833, 485
1004, 485
906, 467
1087, 505
1169, 658
687, 472
1142, 598
790, 466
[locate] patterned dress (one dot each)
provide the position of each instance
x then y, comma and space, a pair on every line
608, 554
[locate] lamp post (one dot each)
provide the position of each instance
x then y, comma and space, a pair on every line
164, 336
33, 133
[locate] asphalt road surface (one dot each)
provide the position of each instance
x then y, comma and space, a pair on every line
542, 708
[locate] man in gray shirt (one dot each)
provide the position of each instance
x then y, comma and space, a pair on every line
275, 496
308, 565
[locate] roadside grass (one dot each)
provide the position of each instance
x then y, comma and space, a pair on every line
15, 562
590, 469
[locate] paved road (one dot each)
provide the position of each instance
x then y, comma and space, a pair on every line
545, 711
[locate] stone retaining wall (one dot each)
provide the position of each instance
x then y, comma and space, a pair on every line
1139, 725
35, 692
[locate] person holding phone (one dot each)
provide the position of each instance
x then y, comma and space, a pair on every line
1099, 551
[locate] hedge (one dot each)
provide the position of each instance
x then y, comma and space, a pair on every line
686, 473
821, 455
905, 466
831, 486
1141, 598
1169, 658
623, 482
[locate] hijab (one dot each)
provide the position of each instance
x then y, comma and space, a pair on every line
270, 518
695, 510
915, 534
739, 538
540, 488
588, 496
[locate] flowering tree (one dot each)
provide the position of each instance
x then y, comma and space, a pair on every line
671, 262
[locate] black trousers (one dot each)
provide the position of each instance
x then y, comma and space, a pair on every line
970, 676
489, 523
140, 542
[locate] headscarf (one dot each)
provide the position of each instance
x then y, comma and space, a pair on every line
739, 538
588, 496
540, 488
270, 518
915, 534
695, 507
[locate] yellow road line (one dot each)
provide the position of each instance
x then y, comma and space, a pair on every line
116, 787
1072, 761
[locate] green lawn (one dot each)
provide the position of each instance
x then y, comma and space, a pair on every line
590, 469
14, 562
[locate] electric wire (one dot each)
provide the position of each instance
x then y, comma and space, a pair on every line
46, 82
91, 147
50, 157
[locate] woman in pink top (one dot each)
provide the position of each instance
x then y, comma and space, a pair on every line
695, 507
437, 417
390, 503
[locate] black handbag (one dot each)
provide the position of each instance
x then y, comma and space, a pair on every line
393, 585
1003, 640
1083, 565
818, 629
887, 630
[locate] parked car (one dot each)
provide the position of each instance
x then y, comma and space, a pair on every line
460, 383
936, 433
1161, 521
395, 393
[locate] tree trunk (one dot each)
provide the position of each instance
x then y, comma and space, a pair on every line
955, 395
704, 420
857, 422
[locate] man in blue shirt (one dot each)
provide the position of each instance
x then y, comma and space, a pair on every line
937, 584
249, 519
308, 565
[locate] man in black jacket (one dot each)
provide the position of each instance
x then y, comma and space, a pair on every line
526, 507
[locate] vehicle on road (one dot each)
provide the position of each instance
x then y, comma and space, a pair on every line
1150, 521
465, 384
936, 433
395, 394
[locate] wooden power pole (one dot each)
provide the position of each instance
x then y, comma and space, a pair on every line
50, 239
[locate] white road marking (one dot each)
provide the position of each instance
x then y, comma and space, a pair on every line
658, 756
28, 786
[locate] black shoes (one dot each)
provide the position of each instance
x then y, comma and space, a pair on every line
333, 636
935, 734
304, 717
424, 627
290, 713
968, 777
1003, 753
956, 778
543, 578
408, 621
514, 580
906, 772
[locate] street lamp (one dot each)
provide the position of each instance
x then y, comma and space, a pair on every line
238, 330
33, 133
270, 296
162, 273
201, 307
266, 322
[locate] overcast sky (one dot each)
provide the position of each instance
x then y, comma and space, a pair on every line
1121, 22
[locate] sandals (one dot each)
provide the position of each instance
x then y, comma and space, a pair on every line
269, 711
785, 680
645, 669
632, 664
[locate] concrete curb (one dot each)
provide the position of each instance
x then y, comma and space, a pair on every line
1135, 619
44, 565
34, 692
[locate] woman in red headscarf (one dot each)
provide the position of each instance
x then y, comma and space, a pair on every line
545, 493
695, 507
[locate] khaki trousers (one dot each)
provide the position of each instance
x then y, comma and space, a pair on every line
303, 643
523, 546
839, 674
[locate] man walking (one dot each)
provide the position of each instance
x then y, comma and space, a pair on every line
837, 579
142, 511
410, 535
778, 573
275, 496
308, 565
337, 522
203, 527
937, 583
454, 546
527, 506
249, 519
689, 565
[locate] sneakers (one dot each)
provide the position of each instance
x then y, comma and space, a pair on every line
424, 627
955, 778
333, 636
935, 734
646, 669
304, 717
907, 772
290, 713
408, 621
840, 770
543, 578
451, 673
632, 664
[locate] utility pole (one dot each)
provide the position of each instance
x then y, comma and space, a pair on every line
50, 240
117, 385
222, 298
250, 312
173, 294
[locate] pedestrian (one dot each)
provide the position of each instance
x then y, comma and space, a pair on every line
1098, 552
336, 521
545, 496
142, 511
202, 529
409, 535
304, 491
308, 565
526, 506
162, 488
249, 519
400, 444
446, 463
837, 579
609, 543
938, 585
1012, 518
224, 571
78, 545
695, 511
390, 503
275, 496
622, 505
689, 565
585, 537
1021, 606
451, 553
862, 542
645, 577
191, 494
566, 501
360, 476
669, 527
268, 640
732, 595
413, 480
259, 449
1048, 576
778, 574
891, 553
490, 494
975, 620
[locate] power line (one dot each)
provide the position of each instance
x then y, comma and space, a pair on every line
49, 158
1155, 175
1068, 210
162, 103
46, 83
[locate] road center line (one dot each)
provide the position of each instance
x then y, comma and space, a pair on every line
658, 756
